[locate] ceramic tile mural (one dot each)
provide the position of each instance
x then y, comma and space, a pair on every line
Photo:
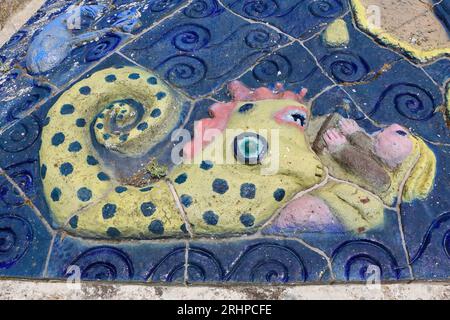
227, 141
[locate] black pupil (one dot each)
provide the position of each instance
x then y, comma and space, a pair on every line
299, 118
401, 132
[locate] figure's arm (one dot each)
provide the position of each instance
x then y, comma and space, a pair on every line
355, 135
356, 162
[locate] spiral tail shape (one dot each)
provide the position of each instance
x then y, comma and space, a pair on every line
126, 111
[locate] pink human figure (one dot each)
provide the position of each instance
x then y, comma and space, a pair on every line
369, 157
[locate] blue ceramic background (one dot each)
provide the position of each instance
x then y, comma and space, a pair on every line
198, 46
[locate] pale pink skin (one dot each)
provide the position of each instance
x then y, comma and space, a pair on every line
392, 144
307, 214
311, 214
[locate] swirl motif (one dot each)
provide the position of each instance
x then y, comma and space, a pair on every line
410, 100
104, 264
183, 71
102, 48
117, 116
260, 9
191, 37
262, 39
21, 136
10, 196
326, 8
354, 261
37, 94
446, 243
439, 229
16, 236
170, 268
346, 67
202, 9
23, 175
203, 266
274, 68
270, 263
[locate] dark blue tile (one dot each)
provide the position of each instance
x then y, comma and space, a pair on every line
442, 10
19, 95
426, 224
19, 158
257, 261
356, 257
359, 61
299, 18
439, 71
407, 96
24, 243
125, 261
293, 66
199, 50
134, 16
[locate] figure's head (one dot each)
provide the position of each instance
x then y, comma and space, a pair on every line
261, 128
393, 145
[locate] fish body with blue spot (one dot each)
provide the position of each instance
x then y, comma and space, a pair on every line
55, 42
128, 111
57, 39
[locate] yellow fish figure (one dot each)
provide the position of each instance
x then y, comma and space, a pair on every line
128, 111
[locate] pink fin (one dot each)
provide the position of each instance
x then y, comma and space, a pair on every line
207, 129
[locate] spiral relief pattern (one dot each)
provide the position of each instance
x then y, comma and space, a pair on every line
20, 136
203, 266
202, 9
104, 264
262, 39
410, 100
190, 37
16, 236
274, 68
446, 243
346, 67
37, 94
260, 9
326, 8
9, 195
170, 268
183, 71
358, 260
116, 114
439, 230
271, 263
102, 48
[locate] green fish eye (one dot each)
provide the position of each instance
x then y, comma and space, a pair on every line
250, 148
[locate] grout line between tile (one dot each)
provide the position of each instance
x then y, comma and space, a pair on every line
29, 203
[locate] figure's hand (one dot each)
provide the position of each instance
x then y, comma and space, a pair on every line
348, 126
334, 139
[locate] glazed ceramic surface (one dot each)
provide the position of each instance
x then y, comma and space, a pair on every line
210, 141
